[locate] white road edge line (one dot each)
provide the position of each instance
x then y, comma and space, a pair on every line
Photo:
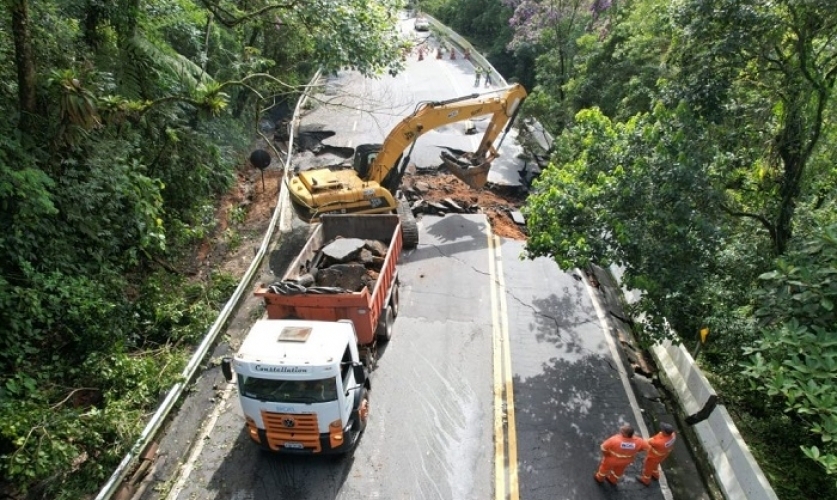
623, 374
189, 465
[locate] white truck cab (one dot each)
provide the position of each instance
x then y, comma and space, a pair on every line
301, 385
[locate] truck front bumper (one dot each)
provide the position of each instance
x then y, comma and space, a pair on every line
304, 443
323, 444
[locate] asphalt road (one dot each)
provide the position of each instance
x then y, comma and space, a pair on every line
483, 341
502, 378
364, 111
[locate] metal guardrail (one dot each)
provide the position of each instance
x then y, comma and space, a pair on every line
464, 44
188, 373
736, 470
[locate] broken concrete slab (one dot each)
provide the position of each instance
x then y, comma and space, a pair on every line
438, 207
366, 257
378, 248
452, 204
344, 249
348, 276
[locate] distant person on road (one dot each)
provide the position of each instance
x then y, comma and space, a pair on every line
618, 452
660, 446
487, 77
477, 73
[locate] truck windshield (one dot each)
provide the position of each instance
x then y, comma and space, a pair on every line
288, 391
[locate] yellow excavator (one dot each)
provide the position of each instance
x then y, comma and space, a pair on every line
370, 186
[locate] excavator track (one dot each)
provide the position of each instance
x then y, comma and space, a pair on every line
409, 225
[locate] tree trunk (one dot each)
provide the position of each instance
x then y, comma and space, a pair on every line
242, 96
25, 65
791, 146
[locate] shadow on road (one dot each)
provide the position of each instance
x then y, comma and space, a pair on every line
569, 404
251, 472
452, 234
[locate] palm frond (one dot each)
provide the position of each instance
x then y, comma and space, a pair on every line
141, 58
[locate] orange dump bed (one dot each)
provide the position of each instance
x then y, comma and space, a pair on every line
362, 308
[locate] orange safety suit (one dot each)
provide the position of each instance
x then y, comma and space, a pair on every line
618, 452
660, 447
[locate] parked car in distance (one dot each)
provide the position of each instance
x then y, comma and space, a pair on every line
422, 24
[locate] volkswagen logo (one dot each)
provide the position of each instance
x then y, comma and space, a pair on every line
289, 422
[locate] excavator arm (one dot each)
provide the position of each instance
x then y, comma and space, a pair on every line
503, 106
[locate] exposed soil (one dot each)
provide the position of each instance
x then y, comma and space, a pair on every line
496, 202
234, 242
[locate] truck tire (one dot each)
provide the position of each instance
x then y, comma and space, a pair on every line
409, 225
384, 330
369, 359
361, 414
393, 300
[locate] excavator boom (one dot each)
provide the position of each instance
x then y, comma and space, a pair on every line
502, 105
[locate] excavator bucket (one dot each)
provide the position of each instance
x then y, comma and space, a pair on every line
475, 176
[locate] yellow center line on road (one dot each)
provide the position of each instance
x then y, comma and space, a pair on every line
505, 434
511, 428
499, 438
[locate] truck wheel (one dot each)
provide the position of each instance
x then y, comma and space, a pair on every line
384, 330
370, 360
361, 413
393, 300
409, 225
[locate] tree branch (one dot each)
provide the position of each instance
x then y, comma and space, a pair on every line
764, 222
58, 404
230, 20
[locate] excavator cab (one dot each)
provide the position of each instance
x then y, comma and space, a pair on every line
365, 155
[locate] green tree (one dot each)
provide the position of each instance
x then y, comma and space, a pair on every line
795, 359
551, 29
127, 120
695, 198
617, 67
762, 72
638, 195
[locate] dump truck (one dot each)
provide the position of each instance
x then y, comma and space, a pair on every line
303, 373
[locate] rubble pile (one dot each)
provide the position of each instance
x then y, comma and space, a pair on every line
343, 265
441, 194
421, 203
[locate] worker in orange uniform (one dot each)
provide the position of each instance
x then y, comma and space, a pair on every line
660, 447
618, 452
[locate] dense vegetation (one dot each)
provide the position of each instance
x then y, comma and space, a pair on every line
695, 148
124, 120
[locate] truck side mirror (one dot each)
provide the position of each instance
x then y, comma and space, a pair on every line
226, 368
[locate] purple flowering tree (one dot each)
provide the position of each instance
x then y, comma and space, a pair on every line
536, 20
551, 29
